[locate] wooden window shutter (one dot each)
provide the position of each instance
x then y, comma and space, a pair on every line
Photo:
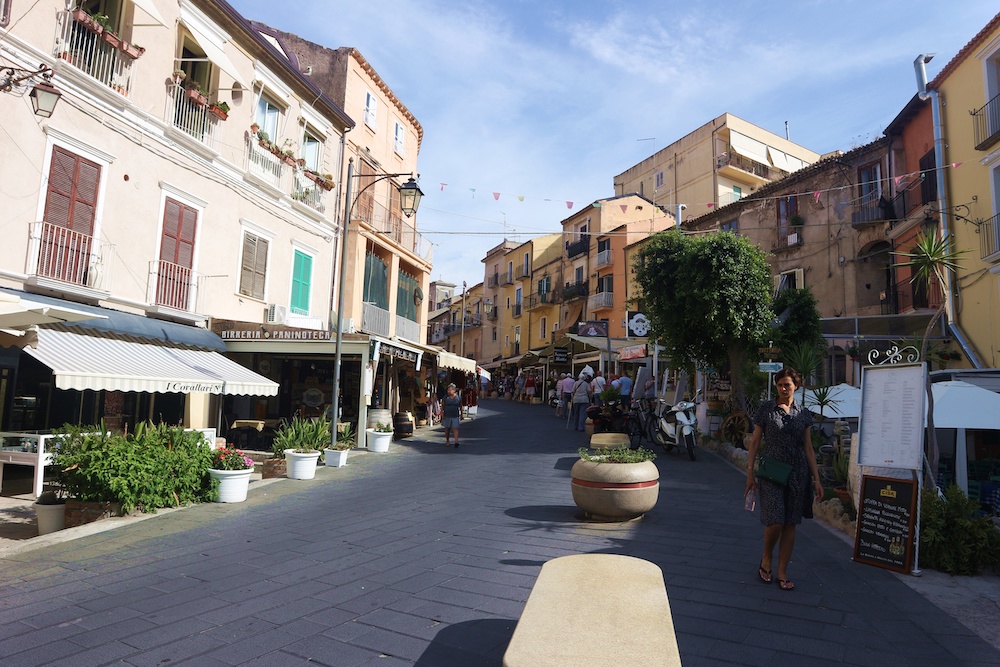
71, 199
253, 268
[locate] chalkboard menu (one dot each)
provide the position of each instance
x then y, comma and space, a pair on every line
885, 523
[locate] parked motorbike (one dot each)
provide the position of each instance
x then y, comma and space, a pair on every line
608, 418
676, 425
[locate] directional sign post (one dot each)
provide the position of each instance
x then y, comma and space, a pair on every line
770, 366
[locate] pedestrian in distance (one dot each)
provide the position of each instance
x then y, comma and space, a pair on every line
597, 386
529, 388
581, 399
785, 428
451, 415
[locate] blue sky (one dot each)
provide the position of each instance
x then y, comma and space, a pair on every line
547, 100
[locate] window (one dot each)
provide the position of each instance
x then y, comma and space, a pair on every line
506, 341
399, 140
581, 232
371, 110
173, 283
253, 270
737, 193
794, 279
543, 327
928, 178
788, 207
579, 275
301, 277
310, 150
605, 283
267, 117
659, 180
510, 272
406, 287
870, 183
545, 285
517, 296
527, 263
376, 289
71, 200
494, 334
603, 245
731, 226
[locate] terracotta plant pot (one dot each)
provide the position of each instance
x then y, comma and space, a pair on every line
614, 491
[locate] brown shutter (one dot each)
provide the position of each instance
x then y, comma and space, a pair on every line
71, 200
179, 227
260, 268
253, 269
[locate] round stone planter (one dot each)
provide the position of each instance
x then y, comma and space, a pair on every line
300, 465
335, 458
378, 442
615, 491
233, 484
50, 518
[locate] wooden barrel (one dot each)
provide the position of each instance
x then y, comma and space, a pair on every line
402, 425
378, 416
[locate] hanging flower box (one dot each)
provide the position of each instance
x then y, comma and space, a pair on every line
132, 51
220, 111
325, 183
197, 98
112, 39
87, 21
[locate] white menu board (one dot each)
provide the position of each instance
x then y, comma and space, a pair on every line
891, 426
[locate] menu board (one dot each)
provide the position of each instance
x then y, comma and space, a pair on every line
885, 523
891, 426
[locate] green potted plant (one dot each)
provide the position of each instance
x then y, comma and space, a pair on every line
618, 484
264, 139
131, 51
335, 456
50, 510
379, 437
797, 220
304, 440
197, 95
231, 469
178, 75
220, 109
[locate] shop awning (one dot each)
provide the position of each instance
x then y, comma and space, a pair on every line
455, 362
20, 312
81, 361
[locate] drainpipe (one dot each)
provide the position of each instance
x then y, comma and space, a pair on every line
919, 65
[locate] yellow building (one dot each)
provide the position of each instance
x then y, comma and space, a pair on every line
970, 170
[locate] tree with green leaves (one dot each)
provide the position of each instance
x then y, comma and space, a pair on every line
708, 298
929, 259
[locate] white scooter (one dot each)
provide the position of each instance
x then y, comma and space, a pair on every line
676, 425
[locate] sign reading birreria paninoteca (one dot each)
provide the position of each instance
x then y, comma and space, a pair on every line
885, 523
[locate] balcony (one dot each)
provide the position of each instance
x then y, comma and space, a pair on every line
986, 123
493, 315
601, 300
736, 166
374, 320
192, 118
577, 247
493, 281
792, 240
309, 194
540, 299
506, 279
407, 329
265, 168
522, 272
872, 208
172, 291
989, 239
438, 336
68, 261
457, 328
515, 310
392, 225
97, 52
604, 258
574, 291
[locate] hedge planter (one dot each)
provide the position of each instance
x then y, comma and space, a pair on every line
301, 465
50, 517
233, 484
378, 441
615, 491
335, 458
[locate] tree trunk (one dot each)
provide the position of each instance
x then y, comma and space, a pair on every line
933, 454
737, 357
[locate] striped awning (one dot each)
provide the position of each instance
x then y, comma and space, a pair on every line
80, 361
456, 362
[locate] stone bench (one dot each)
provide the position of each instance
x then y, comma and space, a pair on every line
595, 610
609, 440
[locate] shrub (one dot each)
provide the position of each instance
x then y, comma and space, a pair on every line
618, 455
303, 435
954, 536
155, 466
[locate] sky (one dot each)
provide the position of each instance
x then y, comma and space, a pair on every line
545, 101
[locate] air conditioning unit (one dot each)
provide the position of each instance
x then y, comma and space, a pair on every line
348, 325
276, 314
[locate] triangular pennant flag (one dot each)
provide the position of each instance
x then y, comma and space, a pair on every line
898, 179
624, 208
520, 198
816, 196
496, 196
442, 186
596, 205
473, 191
569, 204
956, 165
710, 204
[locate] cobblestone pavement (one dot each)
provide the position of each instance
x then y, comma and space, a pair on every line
426, 555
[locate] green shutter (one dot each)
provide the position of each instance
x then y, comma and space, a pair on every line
301, 274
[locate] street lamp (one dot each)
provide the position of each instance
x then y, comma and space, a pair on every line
409, 199
43, 94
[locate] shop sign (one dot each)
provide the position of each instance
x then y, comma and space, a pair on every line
632, 352
560, 355
594, 329
398, 352
276, 335
195, 387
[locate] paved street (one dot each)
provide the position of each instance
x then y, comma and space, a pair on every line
426, 555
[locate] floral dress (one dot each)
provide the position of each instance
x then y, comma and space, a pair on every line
784, 437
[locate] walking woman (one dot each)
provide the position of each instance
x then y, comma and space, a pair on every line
784, 427
581, 400
452, 415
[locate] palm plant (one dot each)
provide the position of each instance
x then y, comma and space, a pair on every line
931, 258
807, 358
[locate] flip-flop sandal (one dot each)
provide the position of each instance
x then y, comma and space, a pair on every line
765, 575
786, 585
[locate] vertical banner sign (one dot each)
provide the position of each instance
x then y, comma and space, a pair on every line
885, 523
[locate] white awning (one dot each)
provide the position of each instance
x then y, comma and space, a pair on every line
19, 313
150, 9
214, 51
779, 159
453, 361
747, 147
80, 361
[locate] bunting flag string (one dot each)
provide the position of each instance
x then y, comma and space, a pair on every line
496, 196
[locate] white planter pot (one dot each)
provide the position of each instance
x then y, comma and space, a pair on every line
50, 518
335, 458
378, 442
300, 465
233, 484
